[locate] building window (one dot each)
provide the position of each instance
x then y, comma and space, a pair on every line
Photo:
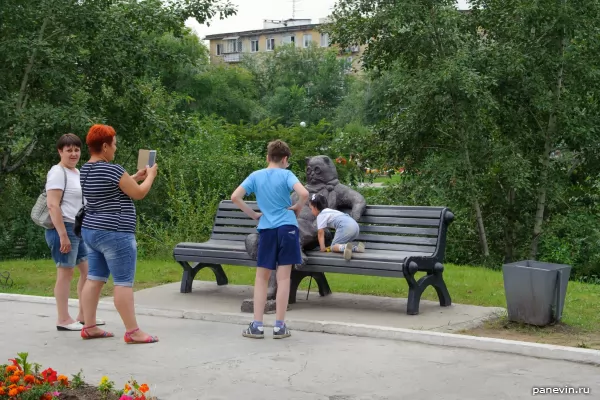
325, 40
289, 39
307, 40
270, 44
233, 46
219, 49
254, 46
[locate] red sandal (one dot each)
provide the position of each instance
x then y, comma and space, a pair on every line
86, 336
129, 340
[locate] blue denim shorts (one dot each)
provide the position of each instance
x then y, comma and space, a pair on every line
111, 252
346, 233
78, 253
279, 246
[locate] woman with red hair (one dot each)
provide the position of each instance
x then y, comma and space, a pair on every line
108, 229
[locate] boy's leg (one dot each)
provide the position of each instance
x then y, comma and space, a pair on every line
266, 262
283, 291
261, 284
288, 254
280, 330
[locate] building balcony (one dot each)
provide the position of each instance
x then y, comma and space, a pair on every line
232, 57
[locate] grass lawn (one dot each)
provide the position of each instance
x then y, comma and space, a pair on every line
467, 285
387, 180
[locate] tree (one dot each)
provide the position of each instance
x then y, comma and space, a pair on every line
437, 101
64, 63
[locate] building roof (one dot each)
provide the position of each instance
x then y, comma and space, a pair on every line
266, 31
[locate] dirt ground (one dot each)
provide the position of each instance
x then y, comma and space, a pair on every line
559, 334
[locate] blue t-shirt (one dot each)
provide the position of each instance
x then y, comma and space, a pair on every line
272, 187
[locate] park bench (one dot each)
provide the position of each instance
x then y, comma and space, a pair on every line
400, 241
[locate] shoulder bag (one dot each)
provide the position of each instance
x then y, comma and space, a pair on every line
40, 214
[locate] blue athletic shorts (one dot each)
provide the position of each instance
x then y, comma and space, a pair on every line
279, 246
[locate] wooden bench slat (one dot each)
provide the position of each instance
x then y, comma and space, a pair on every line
402, 247
365, 264
397, 239
233, 214
234, 229
354, 271
401, 213
219, 261
213, 244
229, 205
208, 253
236, 221
396, 207
402, 221
225, 236
399, 229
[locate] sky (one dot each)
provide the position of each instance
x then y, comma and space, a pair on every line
251, 13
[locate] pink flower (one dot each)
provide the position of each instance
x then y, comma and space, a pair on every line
125, 397
55, 394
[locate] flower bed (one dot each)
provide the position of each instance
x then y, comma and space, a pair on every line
22, 380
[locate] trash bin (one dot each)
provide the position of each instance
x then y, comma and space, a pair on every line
535, 291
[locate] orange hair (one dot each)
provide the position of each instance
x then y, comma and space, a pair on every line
98, 135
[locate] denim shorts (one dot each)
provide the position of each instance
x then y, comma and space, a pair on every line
78, 253
279, 246
111, 253
346, 233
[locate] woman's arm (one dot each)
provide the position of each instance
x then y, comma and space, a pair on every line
53, 198
136, 191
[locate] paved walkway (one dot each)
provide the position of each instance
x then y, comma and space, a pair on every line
202, 360
339, 307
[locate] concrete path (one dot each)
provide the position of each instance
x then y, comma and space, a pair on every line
202, 360
338, 307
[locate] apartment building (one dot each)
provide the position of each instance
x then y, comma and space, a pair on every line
230, 48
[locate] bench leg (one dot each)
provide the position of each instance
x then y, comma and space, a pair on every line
416, 289
189, 273
298, 276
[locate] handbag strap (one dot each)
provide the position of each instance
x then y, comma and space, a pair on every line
85, 179
65, 189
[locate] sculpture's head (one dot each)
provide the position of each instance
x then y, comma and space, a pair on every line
320, 169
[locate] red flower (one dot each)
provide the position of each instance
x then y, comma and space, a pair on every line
49, 375
15, 363
29, 379
15, 379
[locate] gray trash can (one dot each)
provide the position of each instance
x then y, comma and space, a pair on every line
535, 291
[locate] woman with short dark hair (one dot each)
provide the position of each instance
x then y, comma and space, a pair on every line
108, 229
63, 193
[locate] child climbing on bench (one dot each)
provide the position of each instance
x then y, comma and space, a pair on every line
346, 228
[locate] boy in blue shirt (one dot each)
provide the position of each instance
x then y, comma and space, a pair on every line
279, 237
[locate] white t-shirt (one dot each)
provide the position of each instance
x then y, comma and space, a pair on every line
330, 218
72, 199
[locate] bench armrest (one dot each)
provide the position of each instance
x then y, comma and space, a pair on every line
434, 262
